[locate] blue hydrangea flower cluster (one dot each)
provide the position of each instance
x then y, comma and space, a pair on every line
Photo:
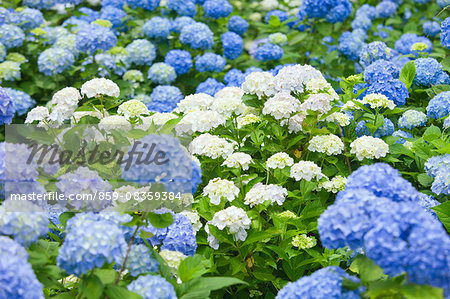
350, 44
431, 28
46, 4
54, 61
373, 52
412, 119
385, 9
234, 77
210, 62
281, 15
113, 14
439, 168
95, 37
387, 129
164, 98
324, 283
140, 260
232, 44
429, 72
439, 106
17, 278
90, 15
91, 243
22, 101
333, 10
83, 181
113, 3
7, 108
141, 52
393, 89
210, 86
162, 73
216, 9
445, 33
443, 3
381, 70
238, 25
145, 4
180, 22
23, 221
383, 31
28, 18
182, 8
177, 169
397, 233
2, 52
404, 43
268, 52
197, 36
179, 236
180, 60
157, 27
152, 287
383, 180
11, 36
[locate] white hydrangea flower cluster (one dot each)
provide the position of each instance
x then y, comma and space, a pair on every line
320, 85
211, 146
303, 241
377, 100
334, 185
329, 144
279, 160
38, 113
318, 102
220, 188
306, 170
195, 102
200, 121
340, 118
369, 147
194, 218
294, 123
64, 103
293, 78
114, 122
228, 101
248, 119
238, 160
100, 87
261, 193
282, 105
233, 218
132, 108
287, 215
172, 258
259, 83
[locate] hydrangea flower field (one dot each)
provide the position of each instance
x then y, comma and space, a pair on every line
307, 146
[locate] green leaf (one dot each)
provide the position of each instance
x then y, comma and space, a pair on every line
446, 64
408, 73
432, 133
443, 212
192, 267
366, 269
106, 275
115, 292
91, 287
201, 287
414, 291
425, 180
251, 100
160, 220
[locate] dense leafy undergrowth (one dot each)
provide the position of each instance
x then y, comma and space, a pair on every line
308, 143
